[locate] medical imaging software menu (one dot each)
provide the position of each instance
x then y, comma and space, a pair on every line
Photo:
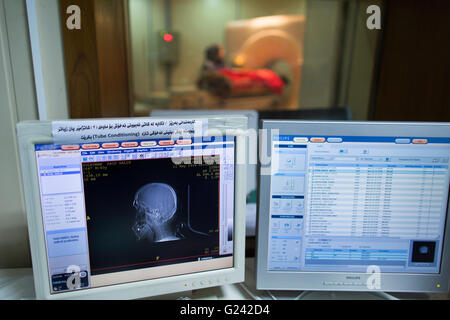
342, 203
116, 207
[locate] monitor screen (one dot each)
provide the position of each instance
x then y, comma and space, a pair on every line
348, 202
126, 211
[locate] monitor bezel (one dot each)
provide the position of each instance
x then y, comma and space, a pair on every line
339, 281
31, 133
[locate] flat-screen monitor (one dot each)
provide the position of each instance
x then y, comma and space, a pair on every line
252, 153
354, 206
132, 218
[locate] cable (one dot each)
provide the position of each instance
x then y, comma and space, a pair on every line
385, 295
271, 295
301, 295
243, 286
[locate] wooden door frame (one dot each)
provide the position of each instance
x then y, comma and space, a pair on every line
97, 59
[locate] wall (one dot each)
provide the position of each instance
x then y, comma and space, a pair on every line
322, 31
257, 8
146, 20
201, 24
48, 58
18, 102
414, 77
139, 26
362, 62
32, 87
328, 78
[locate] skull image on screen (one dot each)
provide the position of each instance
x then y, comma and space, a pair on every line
156, 205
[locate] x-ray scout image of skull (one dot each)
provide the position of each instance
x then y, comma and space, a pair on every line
156, 205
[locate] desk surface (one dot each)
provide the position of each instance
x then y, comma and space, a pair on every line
18, 284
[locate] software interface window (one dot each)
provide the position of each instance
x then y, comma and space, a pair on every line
344, 203
119, 212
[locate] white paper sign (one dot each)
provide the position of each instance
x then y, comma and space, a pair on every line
102, 130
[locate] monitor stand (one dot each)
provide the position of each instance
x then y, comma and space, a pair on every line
344, 295
316, 295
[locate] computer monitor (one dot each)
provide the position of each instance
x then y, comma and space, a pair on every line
354, 206
129, 218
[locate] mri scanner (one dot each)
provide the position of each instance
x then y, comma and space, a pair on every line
273, 42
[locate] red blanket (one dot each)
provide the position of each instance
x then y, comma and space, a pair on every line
248, 80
